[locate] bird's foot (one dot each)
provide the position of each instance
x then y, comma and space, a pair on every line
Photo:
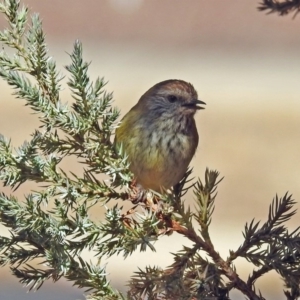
137, 193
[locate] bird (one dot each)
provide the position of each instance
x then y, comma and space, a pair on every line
159, 134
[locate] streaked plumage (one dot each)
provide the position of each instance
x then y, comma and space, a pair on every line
159, 134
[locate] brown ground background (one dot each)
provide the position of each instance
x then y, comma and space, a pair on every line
245, 66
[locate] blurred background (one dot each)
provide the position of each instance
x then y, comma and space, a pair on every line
244, 64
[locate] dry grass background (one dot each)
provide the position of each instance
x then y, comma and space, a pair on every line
245, 66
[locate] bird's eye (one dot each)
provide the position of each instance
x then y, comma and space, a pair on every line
172, 98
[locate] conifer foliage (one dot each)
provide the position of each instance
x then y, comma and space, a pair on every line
52, 224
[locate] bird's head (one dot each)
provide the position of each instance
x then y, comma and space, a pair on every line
171, 97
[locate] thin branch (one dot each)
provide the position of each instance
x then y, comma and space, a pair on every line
280, 7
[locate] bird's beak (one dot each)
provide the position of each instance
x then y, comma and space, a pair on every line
194, 104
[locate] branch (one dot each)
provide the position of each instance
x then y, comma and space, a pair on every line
218, 260
282, 7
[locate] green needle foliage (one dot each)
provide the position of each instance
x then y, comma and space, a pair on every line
52, 225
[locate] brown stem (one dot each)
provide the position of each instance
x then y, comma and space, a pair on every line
218, 260
256, 274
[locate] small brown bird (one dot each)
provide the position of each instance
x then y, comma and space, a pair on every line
159, 134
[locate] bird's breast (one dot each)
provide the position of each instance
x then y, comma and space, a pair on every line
163, 155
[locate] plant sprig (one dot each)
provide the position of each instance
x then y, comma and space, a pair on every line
53, 222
